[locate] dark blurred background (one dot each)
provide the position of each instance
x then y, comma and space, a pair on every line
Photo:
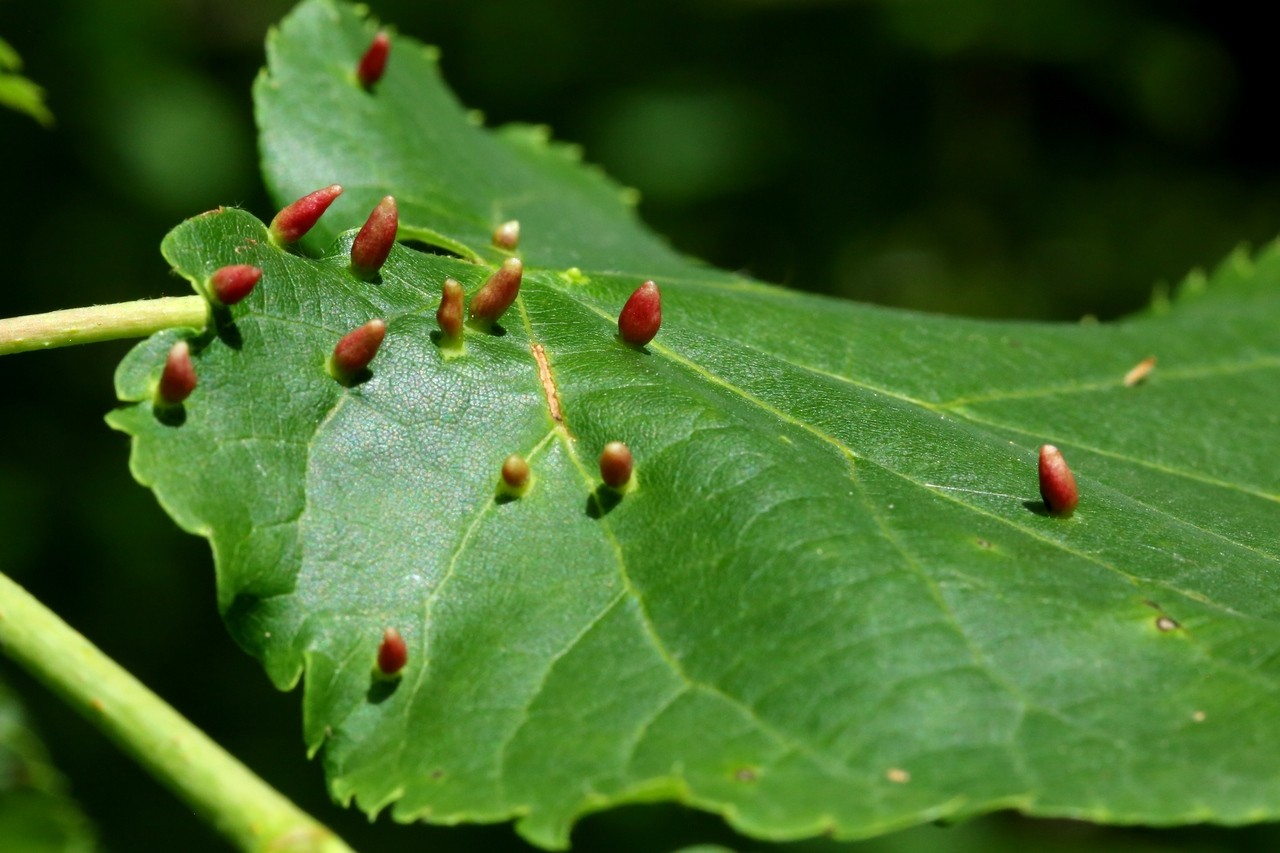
997, 158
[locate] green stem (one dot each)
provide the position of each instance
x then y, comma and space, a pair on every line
101, 323
244, 808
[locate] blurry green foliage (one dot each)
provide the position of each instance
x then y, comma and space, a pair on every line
17, 92
987, 157
35, 815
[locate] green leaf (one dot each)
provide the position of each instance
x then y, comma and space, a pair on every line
17, 92
455, 181
36, 816
831, 601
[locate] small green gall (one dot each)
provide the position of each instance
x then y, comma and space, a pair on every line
515, 472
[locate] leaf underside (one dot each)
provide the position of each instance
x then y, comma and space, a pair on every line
831, 601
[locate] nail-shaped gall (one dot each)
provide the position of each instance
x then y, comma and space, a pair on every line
378, 234
615, 465
229, 285
641, 316
179, 377
297, 219
449, 314
1057, 485
374, 61
492, 300
515, 472
393, 653
507, 235
357, 348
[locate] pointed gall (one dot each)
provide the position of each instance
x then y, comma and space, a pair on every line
615, 464
641, 316
492, 300
374, 61
507, 235
357, 348
393, 653
1057, 486
297, 219
449, 314
515, 471
179, 377
229, 285
378, 234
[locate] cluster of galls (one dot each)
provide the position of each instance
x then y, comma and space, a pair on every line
638, 323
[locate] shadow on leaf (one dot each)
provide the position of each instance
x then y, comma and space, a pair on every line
602, 501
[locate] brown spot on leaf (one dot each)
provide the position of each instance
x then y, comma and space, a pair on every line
548, 383
1140, 371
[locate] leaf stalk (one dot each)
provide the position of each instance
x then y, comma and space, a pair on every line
73, 326
244, 808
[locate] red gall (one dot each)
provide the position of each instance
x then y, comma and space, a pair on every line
507, 235
374, 61
373, 244
515, 472
1057, 485
502, 288
615, 464
641, 316
449, 314
357, 348
297, 219
393, 653
229, 285
179, 377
